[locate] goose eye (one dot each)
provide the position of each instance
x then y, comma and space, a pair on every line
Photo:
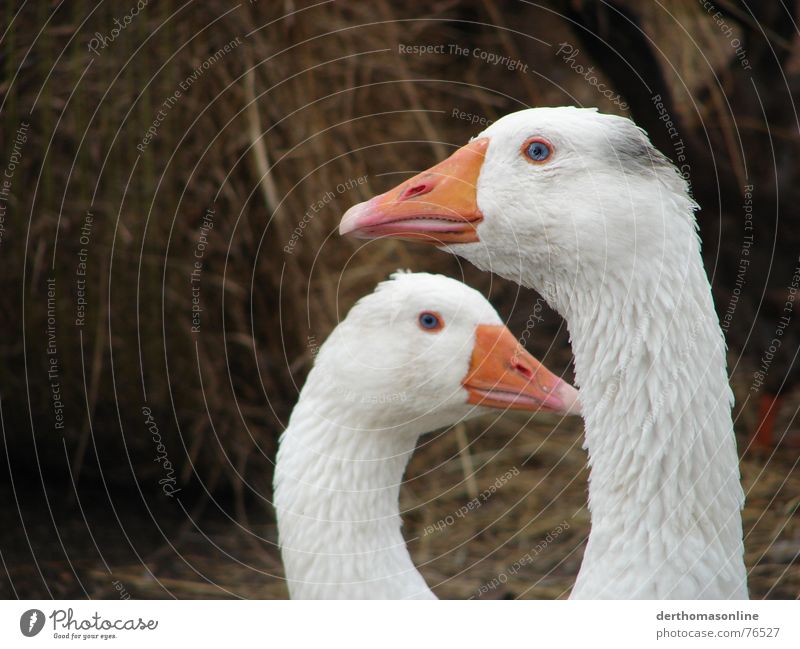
538, 150
430, 321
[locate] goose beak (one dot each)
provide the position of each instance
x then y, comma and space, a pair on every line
503, 375
437, 206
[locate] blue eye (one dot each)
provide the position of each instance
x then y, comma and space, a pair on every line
430, 321
538, 150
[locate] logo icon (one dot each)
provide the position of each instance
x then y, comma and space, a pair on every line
31, 622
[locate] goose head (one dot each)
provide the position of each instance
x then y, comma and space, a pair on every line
423, 351
548, 197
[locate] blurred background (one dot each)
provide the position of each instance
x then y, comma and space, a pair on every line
173, 175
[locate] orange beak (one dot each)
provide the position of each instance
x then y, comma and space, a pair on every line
503, 375
437, 206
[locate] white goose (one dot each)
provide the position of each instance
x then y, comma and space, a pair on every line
421, 352
580, 206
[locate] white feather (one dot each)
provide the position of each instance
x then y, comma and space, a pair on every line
605, 231
378, 383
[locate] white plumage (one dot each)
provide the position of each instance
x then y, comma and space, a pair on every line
378, 383
604, 229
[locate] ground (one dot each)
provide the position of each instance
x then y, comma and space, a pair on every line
515, 529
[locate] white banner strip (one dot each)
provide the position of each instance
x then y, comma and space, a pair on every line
385, 625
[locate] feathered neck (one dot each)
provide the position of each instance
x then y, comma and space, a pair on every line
337, 486
664, 489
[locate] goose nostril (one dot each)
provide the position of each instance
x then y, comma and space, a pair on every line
522, 369
416, 190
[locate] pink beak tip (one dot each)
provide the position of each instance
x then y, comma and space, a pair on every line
569, 396
351, 221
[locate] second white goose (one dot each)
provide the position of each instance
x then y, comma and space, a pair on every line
421, 352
